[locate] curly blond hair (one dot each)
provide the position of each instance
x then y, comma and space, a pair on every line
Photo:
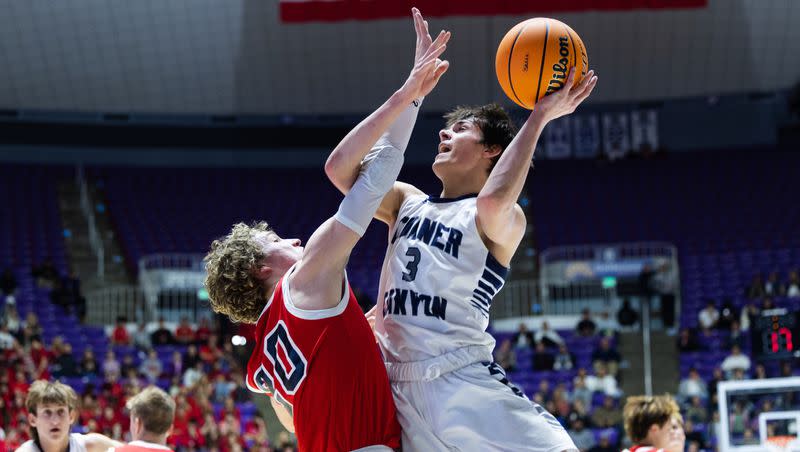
233, 288
641, 412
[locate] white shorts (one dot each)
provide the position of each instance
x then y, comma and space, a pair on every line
444, 405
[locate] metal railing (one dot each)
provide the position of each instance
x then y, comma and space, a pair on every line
95, 242
104, 306
183, 261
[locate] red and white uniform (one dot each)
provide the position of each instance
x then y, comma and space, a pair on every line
140, 446
325, 368
643, 449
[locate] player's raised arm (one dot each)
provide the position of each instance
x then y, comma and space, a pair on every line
498, 215
317, 278
392, 123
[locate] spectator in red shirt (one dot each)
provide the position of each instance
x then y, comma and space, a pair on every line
120, 335
211, 352
203, 331
184, 334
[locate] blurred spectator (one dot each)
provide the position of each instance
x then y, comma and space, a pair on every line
8, 283
192, 357
203, 331
31, 329
738, 418
756, 288
564, 359
606, 356
709, 316
88, 364
581, 436
12, 322
505, 356
120, 334
760, 372
586, 327
65, 365
727, 315
767, 304
211, 351
793, 286
627, 316
692, 435
737, 337
748, 315
151, 367
580, 392
523, 338
175, 366
209, 429
193, 374
46, 274
128, 366
646, 286
696, 411
542, 359
550, 338
604, 445
162, 335
111, 367
692, 386
602, 382
7, 341
786, 369
608, 414
579, 412
222, 388
606, 326
736, 360
686, 341
184, 334
773, 287
141, 340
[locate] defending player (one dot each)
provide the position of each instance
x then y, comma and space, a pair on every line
447, 257
152, 414
52, 409
654, 424
315, 352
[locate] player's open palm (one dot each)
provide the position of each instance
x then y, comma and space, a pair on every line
428, 67
567, 99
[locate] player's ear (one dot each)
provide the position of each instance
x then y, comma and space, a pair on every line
32, 420
492, 151
263, 272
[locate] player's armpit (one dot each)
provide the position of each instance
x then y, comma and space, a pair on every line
387, 212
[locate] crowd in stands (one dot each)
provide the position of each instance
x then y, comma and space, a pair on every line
571, 373
214, 410
726, 326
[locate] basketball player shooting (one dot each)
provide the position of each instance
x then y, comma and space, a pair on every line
447, 257
315, 353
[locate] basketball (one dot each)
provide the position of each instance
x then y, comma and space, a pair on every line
534, 58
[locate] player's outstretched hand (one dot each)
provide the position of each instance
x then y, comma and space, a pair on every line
370, 315
567, 99
428, 68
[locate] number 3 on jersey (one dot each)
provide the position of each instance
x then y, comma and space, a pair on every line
289, 365
411, 266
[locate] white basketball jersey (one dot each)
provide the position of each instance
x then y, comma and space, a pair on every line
437, 282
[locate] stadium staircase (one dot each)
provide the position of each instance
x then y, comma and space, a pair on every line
664, 363
81, 257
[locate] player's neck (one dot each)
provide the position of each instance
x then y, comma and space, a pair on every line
60, 446
461, 185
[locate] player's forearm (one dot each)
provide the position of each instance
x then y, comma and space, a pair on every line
507, 179
344, 162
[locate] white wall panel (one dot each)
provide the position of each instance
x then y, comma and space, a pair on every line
234, 56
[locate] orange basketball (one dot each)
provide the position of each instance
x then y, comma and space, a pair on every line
534, 59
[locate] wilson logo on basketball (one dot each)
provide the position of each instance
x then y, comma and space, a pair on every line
560, 68
525, 63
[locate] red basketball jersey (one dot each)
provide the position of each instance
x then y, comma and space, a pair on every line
325, 368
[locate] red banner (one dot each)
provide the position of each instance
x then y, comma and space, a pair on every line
293, 11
